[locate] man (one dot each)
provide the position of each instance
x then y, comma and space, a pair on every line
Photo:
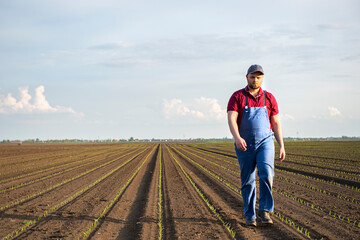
253, 120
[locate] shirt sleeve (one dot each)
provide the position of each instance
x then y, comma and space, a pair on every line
274, 106
233, 104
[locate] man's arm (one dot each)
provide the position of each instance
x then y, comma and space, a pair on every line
276, 125
234, 129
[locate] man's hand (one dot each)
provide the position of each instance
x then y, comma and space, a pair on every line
240, 144
275, 122
281, 154
234, 129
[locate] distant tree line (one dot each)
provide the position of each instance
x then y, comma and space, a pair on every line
132, 139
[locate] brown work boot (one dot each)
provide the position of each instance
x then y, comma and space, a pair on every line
265, 217
251, 222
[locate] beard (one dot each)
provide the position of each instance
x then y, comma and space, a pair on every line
254, 86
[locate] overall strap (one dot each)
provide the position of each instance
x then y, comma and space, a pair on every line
264, 98
246, 99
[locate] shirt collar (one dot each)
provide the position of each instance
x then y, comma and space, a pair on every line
259, 93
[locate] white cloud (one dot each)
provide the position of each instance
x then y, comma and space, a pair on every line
207, 109
334, 111
286, 117
112, 46
211, 107
9, 104
175, 108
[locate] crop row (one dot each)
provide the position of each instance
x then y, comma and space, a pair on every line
312, 171
43, 157
323, 191
112, 202
53, 174
332, 158
160, 198
67, 200
214, 163
335, 154
347, 152
294, 173
71, 162
333, 173
219, 178
290, 222
292, 158
33, 164
330, 212
320, 179
212, 208
11, 160
33, 195
337, 195
342, 168
222, 153
204, 152
305, 203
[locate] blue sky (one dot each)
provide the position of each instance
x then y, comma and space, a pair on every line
166, 69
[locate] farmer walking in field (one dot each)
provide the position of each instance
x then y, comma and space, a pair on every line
253, 121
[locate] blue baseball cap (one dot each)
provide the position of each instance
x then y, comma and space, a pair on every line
255, 68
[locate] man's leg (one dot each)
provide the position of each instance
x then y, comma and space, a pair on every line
247, 162
265, 164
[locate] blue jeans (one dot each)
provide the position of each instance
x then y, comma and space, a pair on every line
261, 156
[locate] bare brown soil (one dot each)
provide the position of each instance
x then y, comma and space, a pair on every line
65, 188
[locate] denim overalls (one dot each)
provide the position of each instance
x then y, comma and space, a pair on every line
255, 130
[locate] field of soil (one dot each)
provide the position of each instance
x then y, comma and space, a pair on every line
173, 191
